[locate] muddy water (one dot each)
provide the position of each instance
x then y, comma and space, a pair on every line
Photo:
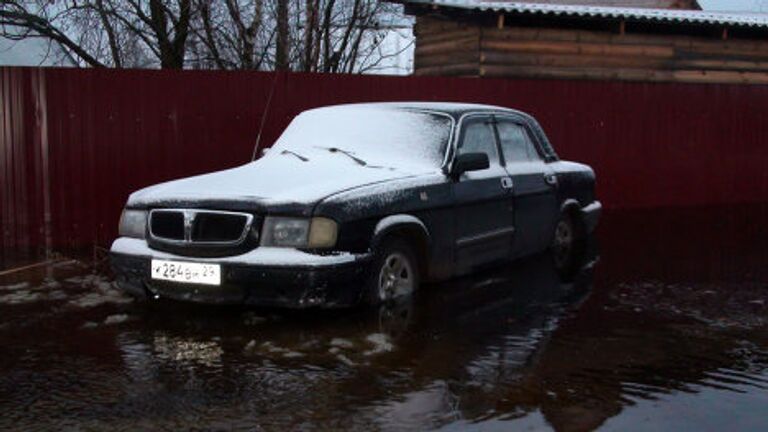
664, 328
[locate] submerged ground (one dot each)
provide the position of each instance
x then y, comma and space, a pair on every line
666, 330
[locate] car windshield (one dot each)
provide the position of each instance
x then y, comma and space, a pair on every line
368, 136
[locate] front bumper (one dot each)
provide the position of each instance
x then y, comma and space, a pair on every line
264, 276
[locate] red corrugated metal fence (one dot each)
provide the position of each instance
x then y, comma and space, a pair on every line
74, 142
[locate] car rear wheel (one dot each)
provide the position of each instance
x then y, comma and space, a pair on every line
394, 273
565, 243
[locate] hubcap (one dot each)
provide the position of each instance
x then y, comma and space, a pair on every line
395, 277
563, 241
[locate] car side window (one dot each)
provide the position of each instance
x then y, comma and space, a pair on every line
516, 144
478, 137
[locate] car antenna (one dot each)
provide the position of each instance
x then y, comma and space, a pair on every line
264, 116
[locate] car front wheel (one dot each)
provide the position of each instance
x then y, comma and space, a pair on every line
395, 273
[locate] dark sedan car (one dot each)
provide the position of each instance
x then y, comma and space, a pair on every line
359, 203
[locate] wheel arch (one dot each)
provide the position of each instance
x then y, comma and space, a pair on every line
572, 208
413, 230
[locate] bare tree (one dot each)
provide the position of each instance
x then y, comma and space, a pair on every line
310, 25
282, 46
307, 35
21, 20
344, 36
162, 26
101, 32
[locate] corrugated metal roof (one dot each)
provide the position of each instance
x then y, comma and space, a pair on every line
655, 15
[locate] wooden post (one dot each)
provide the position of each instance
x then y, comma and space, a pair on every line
500, 22
622, 27
725, 33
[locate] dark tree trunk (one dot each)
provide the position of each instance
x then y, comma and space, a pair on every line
309, 35
171, 49
283, 43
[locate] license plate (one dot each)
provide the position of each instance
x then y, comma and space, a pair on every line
186, 272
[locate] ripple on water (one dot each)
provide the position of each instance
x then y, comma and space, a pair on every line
500, 357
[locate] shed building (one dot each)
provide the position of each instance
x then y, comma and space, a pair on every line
640, 40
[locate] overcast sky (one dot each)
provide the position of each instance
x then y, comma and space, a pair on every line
747, 5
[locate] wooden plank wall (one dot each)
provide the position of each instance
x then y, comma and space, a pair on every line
445, 47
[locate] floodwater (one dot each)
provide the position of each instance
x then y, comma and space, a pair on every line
665, 328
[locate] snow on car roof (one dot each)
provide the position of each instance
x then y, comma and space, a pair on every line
445, 107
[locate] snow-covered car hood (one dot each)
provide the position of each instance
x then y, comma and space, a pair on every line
274, 179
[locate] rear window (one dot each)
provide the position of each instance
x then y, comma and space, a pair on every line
516, 144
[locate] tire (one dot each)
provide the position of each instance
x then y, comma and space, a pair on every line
394, 273
567, 244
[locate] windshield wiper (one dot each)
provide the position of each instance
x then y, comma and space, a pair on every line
302, 158
347, 154
352, 156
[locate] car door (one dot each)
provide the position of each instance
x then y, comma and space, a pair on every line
484, 222
534, 186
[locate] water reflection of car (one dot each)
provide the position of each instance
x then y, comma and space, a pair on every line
444, 354
479, 337
359, 203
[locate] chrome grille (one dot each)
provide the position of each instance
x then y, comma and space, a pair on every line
167, 225
199, 227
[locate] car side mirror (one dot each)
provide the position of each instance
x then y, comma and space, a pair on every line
470, 162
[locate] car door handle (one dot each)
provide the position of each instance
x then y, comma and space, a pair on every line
550, 179
506, 182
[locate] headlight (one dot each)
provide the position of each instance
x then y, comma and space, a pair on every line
298, 232
322, 233
133, 223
